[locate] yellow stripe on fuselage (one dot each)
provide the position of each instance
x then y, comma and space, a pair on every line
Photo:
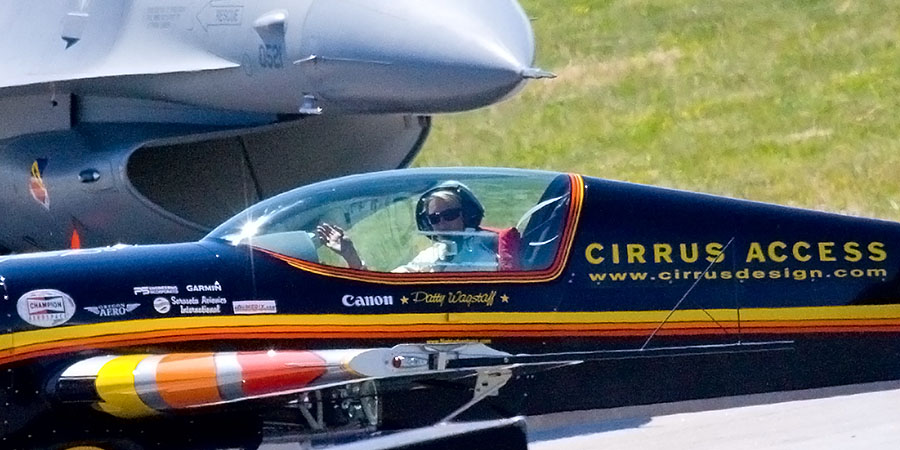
43, 336
863, 312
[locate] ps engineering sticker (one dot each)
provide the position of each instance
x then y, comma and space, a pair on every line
255, 307
46, 308
155, 290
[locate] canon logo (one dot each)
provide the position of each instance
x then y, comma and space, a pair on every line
368, 300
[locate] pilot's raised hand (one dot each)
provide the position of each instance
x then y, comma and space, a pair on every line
337, 240
333, 237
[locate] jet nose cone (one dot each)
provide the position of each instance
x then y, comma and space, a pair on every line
415, 56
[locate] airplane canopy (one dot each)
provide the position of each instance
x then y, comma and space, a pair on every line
503, 218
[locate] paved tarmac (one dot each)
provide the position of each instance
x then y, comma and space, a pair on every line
865, 416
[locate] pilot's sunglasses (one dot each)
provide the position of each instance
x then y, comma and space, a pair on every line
447, 215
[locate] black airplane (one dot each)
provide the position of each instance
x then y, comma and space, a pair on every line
349, 302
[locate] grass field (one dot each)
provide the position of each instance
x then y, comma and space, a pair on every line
791, 101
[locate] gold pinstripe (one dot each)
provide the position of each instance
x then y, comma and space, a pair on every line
748, 316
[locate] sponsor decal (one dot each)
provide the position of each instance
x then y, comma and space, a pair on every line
116, 310
758, 260
36, 183
454, 298
255, 307
367, 300
46, 308
155, 290
162, 305
199, 305
215, 287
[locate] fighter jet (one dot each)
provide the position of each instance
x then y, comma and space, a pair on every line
152, 121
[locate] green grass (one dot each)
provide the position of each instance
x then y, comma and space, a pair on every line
794, 102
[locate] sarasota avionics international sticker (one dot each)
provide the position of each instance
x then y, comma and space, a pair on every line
46, 307
203, 304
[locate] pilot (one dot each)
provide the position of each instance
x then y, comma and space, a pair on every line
450, 215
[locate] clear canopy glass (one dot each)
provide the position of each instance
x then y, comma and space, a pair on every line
419, 220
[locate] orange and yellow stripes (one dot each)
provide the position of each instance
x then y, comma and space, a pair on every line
418, 327
143, 385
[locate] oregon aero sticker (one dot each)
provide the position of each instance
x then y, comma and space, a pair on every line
46, 308
115, 310
773, 260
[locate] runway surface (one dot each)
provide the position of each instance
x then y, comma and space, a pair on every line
863, 416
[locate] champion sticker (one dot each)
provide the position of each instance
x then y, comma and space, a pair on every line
255, 307
46, 308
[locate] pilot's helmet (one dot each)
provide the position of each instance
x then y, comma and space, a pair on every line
472, 211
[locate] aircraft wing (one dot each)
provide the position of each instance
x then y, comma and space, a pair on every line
63, 42
115, 67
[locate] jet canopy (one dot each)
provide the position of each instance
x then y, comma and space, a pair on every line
414, 220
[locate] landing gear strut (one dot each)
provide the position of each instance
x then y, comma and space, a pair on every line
352, 407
